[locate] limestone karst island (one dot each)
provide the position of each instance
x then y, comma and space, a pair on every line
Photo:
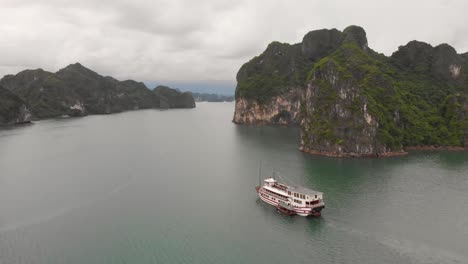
349, 100
78, 91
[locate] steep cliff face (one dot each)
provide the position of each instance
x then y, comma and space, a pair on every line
267, 89
336, 117
341, 116
353, 101
12, 109
280, 110
269, 86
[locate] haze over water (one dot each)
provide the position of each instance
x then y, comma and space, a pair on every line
177, 186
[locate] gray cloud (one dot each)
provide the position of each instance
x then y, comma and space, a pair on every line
183, 40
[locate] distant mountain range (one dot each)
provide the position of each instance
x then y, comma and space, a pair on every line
77, 91
202, 87
209, 97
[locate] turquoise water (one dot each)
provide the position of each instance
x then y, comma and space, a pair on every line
177, 186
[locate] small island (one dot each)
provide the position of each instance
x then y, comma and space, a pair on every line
78, 91
351, 101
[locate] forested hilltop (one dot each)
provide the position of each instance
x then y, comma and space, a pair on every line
77, 91
352, 101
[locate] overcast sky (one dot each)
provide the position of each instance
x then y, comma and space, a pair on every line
201, 40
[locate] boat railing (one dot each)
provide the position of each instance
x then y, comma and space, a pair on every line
276, 195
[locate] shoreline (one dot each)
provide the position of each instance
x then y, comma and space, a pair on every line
405, 151
449, 148
353, 155
31, 122
264, 124
19, 124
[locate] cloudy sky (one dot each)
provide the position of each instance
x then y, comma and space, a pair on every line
203, 41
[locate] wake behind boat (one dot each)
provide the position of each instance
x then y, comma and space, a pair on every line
291, 200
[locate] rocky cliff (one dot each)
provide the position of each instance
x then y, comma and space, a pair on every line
279, 110
269, 86
13, 110
76, 91
352, 101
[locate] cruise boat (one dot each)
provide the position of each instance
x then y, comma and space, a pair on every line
291, 200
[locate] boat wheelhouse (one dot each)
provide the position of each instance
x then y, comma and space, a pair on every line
291, 199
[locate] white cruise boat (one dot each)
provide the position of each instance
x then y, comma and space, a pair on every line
291, 200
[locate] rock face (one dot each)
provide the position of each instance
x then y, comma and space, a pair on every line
350, 100
340, 116
76, 91
172, 98
12, 109
267, 79
336, 118
280, 110
279, 73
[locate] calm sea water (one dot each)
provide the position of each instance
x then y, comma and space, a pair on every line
177, 186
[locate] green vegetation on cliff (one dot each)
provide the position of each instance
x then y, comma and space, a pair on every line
354, 98
12, 109
76, 90
279, 67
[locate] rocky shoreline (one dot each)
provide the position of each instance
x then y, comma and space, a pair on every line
352, 155
406, 151
450, 148
31, 121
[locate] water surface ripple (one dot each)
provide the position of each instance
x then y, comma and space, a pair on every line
177, 186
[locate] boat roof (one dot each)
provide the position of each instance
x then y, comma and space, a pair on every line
278, 191
303, 190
